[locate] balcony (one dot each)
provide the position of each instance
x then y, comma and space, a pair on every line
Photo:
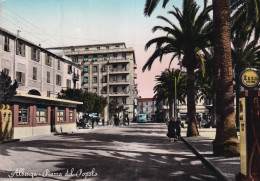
119, 82
118, 60
135, 75
135, 66
75, 77
118, 71
119, 94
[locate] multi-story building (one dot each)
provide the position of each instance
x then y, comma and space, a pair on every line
108, 70
37, 70
41, 75
147, 106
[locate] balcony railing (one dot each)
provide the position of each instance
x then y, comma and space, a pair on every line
119, 94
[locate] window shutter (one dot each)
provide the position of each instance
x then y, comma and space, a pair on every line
23, 49
32, 50
23, 78
50, 60
38, 55
46, 59
17, 76
17, 47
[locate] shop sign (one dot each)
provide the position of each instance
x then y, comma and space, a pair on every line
250, 78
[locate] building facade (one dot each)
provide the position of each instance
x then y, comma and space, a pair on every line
147, 106
37, 70
108, 70
41, 75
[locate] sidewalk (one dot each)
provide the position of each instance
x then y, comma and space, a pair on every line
226, 168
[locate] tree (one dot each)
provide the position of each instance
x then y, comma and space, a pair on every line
165, 87
92, 103
245, 52
7, 89
226, 141
185, 42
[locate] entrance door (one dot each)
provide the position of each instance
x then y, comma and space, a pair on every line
52, 120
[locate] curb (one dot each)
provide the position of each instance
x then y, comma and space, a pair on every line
207, 162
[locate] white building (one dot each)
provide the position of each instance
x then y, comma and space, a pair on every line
108, 70
37, 70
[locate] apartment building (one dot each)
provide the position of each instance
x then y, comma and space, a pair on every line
147, 106
108, 70
41, 75
37, 70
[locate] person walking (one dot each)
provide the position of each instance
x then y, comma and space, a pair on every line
178, 129
171, 130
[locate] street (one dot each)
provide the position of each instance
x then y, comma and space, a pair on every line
135, 152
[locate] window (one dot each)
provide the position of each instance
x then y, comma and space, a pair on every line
147, 109
48, 60
74, 58
94, 57
34, 73
85, 69
124, 56
104, 79
68, 83
58, 64
41, 115
73, 49
115, 100
94, 79
107, 47
48, 77
61, 115
124, 100
124, 67
69, 69
6, 71
98, 48
146, 103
71, 114
104, 68
115, 90
114, 55
115, 79
20, 48
35, 54
95, 90
7, 45
124, 78
117, 46
104, 90
124, 89
85, 58
94, 69
20, 77
23, 114
58, 80
105, 56
86, 48
85, 79
114, 66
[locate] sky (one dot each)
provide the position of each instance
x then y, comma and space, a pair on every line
80, 22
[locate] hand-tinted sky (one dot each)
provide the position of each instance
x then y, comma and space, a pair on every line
79, 22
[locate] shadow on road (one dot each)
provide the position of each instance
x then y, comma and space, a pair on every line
112, 154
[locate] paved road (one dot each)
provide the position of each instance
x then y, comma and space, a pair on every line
138, 152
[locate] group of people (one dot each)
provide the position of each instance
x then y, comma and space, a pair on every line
117, 120
174, 129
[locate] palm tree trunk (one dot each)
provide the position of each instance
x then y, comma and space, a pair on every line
226, 142
170, 107
191, 106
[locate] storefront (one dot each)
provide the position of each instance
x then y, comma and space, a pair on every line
38, 115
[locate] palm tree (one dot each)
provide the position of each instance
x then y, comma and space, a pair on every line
226, 142
165, 87
244, 21
185, 42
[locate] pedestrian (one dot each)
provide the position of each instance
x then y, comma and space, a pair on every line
171, 130
178, 129
93, 122
116, 120
127, 119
